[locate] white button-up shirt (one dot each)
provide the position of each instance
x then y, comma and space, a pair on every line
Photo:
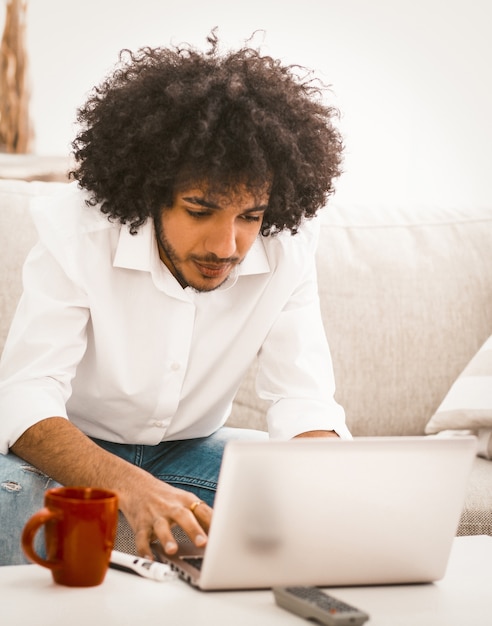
105, 336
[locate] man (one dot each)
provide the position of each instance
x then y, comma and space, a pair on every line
184, 250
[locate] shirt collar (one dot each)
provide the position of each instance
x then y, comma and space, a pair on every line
256, 261
135, 252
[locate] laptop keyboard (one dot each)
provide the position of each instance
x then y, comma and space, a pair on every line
195, 561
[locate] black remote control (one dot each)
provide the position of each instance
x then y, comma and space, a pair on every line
313, 604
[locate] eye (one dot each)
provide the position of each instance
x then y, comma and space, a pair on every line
251, 218
198, 214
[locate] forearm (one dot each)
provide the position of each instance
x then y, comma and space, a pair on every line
63, 452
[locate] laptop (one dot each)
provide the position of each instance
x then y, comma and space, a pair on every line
330, 512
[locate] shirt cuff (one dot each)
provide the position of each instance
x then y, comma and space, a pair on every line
20, 409
288, 418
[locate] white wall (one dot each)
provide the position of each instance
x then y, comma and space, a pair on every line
412, 78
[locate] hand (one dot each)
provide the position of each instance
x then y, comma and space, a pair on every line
317, 433
153, 507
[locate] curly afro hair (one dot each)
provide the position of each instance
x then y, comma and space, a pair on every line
169, 116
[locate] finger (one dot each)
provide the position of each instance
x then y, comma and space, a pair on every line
203, 513
190, 525
160, 530
142, 543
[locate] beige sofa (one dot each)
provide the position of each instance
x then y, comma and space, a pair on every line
406, 296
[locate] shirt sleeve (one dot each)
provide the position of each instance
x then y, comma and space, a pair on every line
46, 341
295, 368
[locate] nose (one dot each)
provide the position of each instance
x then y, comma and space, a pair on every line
221, 239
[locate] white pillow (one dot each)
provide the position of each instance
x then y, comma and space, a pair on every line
468, 404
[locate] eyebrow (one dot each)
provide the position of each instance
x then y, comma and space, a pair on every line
211, 205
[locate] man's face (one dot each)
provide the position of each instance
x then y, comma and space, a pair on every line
203, 236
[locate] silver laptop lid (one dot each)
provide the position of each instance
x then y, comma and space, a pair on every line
330, 512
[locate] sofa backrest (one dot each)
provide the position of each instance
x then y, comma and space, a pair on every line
406, 298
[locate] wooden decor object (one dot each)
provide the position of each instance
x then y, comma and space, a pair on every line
15, 128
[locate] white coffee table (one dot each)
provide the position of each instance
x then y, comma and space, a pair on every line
29, 597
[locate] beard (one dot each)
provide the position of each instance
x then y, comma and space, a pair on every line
175, 263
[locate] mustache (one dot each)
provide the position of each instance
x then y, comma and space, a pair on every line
213, 259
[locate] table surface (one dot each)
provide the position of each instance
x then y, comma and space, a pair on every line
462, 597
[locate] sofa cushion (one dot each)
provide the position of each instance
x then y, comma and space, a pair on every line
406, 295
468, 404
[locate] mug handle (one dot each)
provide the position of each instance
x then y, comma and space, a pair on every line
30, 529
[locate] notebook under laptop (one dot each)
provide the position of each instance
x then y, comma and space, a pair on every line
332, 512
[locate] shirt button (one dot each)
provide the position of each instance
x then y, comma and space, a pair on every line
158, 424
175, 366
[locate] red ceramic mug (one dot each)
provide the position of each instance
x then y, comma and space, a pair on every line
80, 526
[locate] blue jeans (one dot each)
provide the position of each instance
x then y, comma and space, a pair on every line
191, 464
